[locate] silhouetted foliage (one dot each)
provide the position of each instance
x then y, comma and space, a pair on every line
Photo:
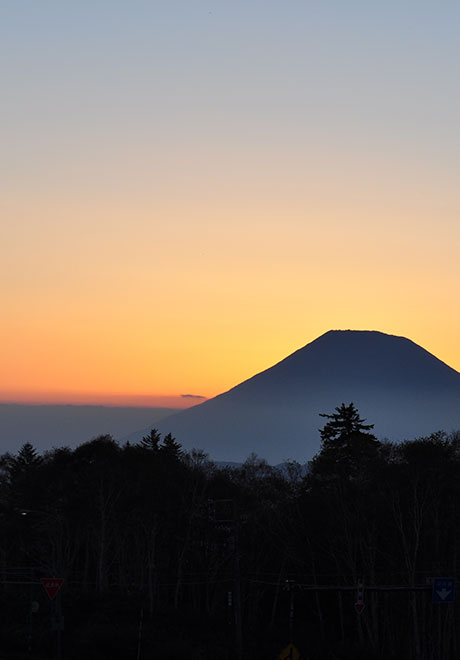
170, 448
346, 446
152, 529
151, 441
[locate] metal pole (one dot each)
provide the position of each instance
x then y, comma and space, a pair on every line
58, 626
139, 636
229, 607
237, 586
29, 636
291, 615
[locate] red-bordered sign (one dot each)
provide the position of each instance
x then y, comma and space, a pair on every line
52, 586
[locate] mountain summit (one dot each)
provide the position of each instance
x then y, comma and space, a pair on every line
401, 388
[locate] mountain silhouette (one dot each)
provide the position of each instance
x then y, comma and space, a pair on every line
401, 388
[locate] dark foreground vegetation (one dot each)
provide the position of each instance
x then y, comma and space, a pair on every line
164, 555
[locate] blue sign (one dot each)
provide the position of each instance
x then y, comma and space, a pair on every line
443, 590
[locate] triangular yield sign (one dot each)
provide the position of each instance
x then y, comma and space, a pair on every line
359, 607
289, 653
52, 586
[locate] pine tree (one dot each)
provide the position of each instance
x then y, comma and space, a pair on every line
170, 448
346, 426
151, 441
346, 445
27, 459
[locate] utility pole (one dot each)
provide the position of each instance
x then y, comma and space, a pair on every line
289, 587
224, 513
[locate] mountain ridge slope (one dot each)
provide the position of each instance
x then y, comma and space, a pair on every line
395, 383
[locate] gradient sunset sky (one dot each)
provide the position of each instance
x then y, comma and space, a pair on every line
191, 190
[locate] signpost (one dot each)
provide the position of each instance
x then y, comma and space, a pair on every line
443, 590
52, 587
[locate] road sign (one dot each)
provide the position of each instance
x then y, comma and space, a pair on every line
52, 586
359, 605
443, 590
290, 653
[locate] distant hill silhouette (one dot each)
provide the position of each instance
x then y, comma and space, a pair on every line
397, 385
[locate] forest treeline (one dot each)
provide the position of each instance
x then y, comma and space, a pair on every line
164, 554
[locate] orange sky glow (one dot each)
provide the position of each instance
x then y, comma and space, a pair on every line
179, 214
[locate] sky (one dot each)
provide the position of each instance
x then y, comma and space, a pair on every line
191, 190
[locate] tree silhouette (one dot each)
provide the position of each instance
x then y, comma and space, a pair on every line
170, 447
26, 459
133, 529
346, 445
151, 441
